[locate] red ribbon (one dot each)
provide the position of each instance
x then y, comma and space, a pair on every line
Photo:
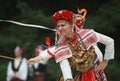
51, 54
47, 41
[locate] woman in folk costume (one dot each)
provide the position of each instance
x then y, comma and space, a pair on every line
76, 49
17, 69
38, 70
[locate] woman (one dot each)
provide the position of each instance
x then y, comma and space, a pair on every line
17, 69
76, 50
38, 70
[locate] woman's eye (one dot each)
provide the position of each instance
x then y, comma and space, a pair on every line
62, 25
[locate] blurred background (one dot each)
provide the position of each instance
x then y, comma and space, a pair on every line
103, 16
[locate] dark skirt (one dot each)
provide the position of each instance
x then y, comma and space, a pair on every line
16, 79
39, 76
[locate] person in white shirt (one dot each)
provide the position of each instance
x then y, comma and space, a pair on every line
38, 70
76, 49
17, 69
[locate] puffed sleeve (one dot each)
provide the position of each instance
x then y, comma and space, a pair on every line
45, 55
109, 45
66, 70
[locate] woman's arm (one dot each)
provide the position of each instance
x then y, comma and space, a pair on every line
35, 59
109, 51
43, 56
66, 70
109, 46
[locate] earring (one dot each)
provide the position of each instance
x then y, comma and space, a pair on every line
73, 28
56, 38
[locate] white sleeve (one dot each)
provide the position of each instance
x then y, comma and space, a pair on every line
66, 69
30, 70
45, 55
23, 70
98, 52
10, 72
109, 45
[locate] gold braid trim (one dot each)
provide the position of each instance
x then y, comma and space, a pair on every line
82, 60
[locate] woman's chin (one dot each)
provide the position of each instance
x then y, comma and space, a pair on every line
63, 35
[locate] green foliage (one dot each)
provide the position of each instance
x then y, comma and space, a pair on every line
3, 69
25, 37
113, 70
34, 16
106, 16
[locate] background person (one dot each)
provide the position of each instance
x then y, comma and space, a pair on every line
38, 70
17, 69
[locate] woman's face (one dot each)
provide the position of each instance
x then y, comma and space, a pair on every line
18, 54
38, 50
64, 28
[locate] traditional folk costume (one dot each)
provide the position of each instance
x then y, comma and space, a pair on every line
38, 70
17, 69
79, 56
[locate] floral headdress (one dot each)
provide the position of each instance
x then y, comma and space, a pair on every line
76, 19
62, 15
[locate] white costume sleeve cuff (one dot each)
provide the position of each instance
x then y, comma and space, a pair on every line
66, 70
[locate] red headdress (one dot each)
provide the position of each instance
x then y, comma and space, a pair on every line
77, 19
62, 15
80, 18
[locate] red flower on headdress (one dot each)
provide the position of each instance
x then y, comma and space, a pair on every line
62, 15
79, 21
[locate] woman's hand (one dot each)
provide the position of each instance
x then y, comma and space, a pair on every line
101, 66
69, 80
34, 60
